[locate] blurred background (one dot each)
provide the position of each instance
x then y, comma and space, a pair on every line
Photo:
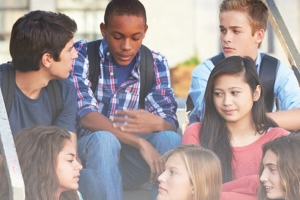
185, 31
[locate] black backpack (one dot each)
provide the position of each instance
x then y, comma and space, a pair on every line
267, 75
8, 91
146, 69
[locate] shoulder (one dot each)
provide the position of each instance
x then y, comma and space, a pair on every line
81, 48
276, 132
191, 134
67, 87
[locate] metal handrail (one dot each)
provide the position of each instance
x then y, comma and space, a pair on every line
283, 34
10, 158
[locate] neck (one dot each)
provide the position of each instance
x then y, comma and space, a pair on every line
242, 133
31, 83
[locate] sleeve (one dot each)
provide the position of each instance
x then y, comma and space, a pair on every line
161, 100
86, 101
286, 88
243, 188
200, 77
191, 134
67, 117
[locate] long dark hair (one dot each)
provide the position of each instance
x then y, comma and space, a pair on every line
37, 148
214, 133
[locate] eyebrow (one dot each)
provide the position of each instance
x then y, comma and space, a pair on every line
70, 154
270, 164
228, 88
231, 27
123, 34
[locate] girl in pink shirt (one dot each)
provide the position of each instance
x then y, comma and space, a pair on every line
235, 125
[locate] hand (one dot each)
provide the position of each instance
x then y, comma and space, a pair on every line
153, 159
137, 121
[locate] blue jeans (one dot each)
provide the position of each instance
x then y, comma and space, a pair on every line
95, 189
121, 166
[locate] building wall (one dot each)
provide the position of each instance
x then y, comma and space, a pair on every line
178, 29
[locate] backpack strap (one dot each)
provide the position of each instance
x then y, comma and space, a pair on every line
216, 59
8, 91
55, 99
189, 104
8, 85
267, 76
94, 62
146, 74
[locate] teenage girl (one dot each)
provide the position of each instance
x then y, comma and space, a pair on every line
280, 169
48, 163
191, 173
235, 124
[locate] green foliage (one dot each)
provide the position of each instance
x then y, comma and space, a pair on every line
193, 61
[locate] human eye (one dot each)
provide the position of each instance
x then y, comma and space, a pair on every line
71, 161
236, 31
222, 30
173, 172
117, 36
218, 94
234, 92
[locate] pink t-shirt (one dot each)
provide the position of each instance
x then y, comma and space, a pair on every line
245, 163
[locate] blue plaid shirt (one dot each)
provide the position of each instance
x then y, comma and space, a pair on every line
125, 96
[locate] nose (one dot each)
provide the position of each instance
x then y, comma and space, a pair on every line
161, 177
227, 37
227, 100
126, 44
78, 165
74, 53
263, 177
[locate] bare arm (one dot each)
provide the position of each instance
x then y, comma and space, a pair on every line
287, 119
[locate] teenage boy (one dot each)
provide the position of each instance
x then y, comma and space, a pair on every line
242, 25
122, 142
41, 47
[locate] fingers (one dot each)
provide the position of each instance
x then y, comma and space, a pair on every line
156, 170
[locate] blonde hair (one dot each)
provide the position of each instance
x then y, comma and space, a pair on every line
204, 169
256, 9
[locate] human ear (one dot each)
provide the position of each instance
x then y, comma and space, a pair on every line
46, 60
257, 92
103, 29
259, 36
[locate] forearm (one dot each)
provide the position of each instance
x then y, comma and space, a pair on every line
95, 121
287, 119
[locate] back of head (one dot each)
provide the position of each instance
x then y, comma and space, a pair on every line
37, 148
204, 169
287, 149
256, 9
124, 7
36, 33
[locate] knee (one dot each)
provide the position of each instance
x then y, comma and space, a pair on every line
166, 140
103, 140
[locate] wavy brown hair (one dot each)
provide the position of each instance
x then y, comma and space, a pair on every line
287, 150
37, 148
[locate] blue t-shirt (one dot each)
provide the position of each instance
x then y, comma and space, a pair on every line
26, 112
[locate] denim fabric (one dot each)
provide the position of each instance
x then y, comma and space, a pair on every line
90, 186
120, 166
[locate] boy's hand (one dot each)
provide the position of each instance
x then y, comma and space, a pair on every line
153, 159
137, 121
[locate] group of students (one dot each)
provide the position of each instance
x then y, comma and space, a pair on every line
119, 143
